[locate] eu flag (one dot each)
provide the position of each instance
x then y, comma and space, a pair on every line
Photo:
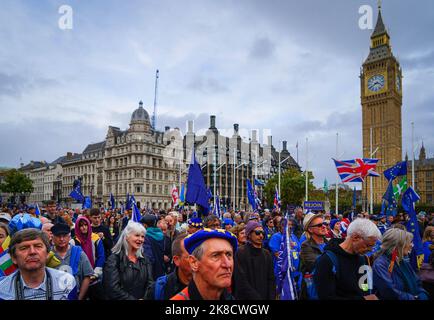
37, 211
112, 201
87, 204
136, 216
399, 169
408, 200
251, 195
389, 197
128, 202
196, 189
284, 279
76, 191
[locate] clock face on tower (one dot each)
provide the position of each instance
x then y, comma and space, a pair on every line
376, 83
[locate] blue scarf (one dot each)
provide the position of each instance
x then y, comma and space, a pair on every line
155, 233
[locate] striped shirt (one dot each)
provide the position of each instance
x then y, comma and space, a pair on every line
63, 285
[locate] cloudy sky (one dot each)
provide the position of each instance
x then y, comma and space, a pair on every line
289, 66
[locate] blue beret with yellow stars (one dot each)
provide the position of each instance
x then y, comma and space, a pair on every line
194, 240
195, 222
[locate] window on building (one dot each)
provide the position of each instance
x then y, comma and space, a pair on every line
147, 188
429, 198
429, 174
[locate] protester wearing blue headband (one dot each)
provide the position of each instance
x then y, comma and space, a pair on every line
212, 263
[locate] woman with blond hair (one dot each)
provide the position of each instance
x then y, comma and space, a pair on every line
128, 273
393, 276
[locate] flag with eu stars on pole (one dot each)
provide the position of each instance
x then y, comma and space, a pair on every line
284, 278
37, 211
76, 191
390, 200
197, 192
136, 216
112, 201
87, 204
128, 202
399, 169
251, 195
409, 198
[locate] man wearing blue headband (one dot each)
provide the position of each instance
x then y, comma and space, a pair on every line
212, 263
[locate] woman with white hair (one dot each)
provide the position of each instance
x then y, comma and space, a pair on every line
128, 273
393, 276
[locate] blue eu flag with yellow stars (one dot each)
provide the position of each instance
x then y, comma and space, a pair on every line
408, 200
197, 192
399, 169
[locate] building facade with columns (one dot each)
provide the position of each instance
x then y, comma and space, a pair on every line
423, 177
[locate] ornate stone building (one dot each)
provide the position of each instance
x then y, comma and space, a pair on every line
423, 177
381, 99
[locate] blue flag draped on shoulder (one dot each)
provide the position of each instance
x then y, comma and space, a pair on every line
284, 280
76, 191
399, 169
196, 190
136, 216
251, 195
409, 198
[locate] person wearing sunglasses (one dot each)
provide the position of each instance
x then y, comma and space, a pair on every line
253, 272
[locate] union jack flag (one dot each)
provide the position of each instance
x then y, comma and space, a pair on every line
356, 170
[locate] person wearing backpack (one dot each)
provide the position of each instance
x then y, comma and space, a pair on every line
166, 286
72, 258
342, 272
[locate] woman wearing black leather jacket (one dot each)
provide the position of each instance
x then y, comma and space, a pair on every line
128, 273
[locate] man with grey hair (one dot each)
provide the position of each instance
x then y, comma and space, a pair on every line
342, 272
34, 281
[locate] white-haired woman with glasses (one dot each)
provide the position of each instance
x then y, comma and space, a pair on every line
128, 273
393, 276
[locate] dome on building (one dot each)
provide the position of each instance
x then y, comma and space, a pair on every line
140, 114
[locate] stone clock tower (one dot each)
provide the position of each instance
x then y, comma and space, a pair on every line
381, 95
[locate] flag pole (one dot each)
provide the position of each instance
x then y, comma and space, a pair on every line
307, 172
279, 172
337, 178
412, 154
233, 190
371, 191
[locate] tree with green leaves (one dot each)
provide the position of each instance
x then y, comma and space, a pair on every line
16, 182
292, 187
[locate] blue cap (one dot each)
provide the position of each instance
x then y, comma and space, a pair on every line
24, 221
228, 221
194, 240
195, 222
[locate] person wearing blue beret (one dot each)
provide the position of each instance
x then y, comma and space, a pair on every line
211, 257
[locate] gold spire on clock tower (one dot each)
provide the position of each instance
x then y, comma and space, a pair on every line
381, 99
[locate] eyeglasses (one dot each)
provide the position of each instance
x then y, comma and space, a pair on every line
319, 225
259, 232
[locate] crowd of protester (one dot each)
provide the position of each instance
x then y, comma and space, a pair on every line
100, 254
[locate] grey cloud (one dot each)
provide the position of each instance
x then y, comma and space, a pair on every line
207, 85
12, 85
262, 49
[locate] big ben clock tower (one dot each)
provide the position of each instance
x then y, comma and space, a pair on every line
381, 95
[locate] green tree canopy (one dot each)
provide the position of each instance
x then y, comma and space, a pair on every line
16, 182
292, 187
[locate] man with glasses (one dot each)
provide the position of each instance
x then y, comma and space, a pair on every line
101, 230
343, 272
253, 272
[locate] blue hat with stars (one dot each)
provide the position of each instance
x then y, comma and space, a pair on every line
195, 222
194, 240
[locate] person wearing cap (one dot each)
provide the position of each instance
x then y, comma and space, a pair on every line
211, 257
335, 229
194, 225
127, 272
269, 229
5, 217
154, 246
254, 271
33, 280
72, 258
315, 231
227, 224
